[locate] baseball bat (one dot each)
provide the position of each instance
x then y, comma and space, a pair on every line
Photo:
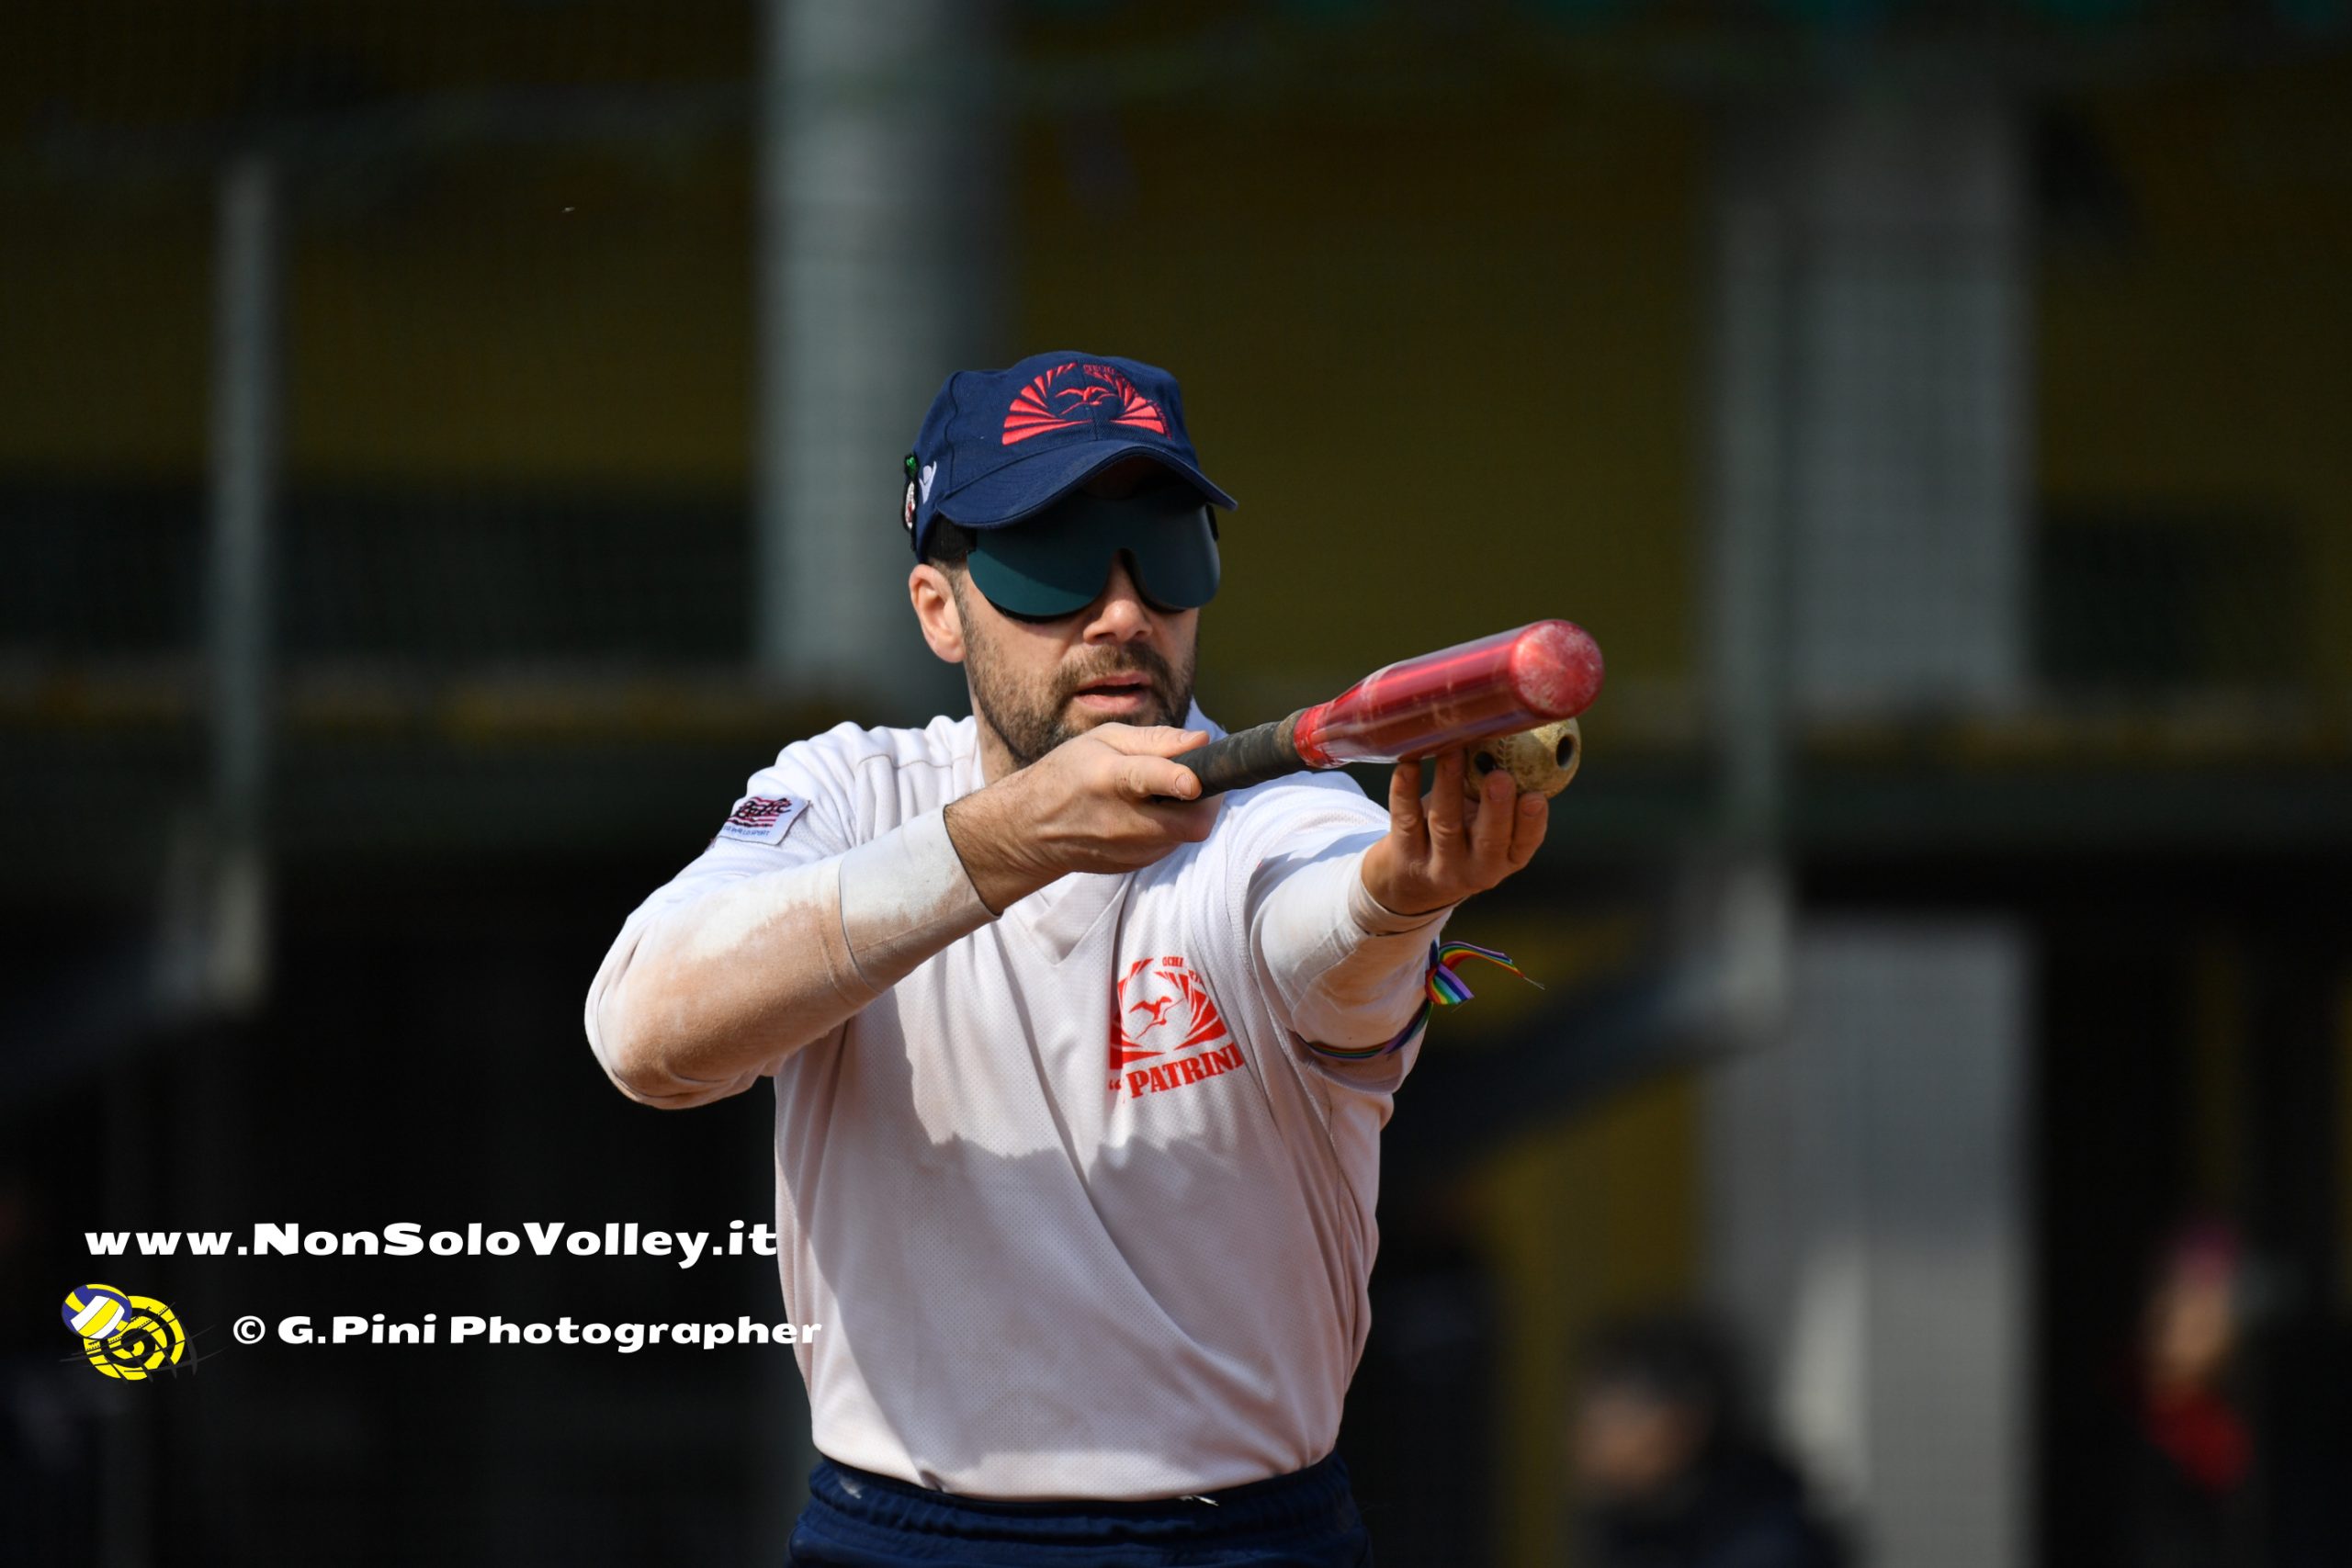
1492, 686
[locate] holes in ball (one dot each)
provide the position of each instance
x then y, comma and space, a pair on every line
1565, 751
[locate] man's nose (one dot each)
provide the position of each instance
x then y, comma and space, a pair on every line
1121, 615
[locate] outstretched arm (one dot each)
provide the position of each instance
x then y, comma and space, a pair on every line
1345, 936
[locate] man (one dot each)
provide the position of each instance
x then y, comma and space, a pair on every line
1079, 1076
1674, 1474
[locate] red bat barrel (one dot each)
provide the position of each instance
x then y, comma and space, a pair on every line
1495, 685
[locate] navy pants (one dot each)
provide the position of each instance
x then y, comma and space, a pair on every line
857, 1520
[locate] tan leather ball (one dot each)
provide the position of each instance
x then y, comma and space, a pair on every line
1542, 760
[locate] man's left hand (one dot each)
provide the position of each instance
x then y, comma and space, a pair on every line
1444, 847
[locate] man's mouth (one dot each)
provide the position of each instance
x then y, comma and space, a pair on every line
1115, 692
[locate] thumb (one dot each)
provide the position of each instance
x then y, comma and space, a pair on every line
1150, 740
1143, 776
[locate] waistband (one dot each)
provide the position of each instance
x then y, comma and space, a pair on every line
1314, 1500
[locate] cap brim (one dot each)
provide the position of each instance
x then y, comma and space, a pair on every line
1032, 484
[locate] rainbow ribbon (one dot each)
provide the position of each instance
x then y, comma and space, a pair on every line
1443, 987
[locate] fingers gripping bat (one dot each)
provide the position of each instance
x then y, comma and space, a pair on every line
1491, 687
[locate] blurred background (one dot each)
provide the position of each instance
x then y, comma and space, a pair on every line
445, 448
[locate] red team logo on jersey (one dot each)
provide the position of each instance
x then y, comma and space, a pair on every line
1160, 1008
1074, 395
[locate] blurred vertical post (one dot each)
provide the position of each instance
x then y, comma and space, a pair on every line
1737, 888
214, 956
880, 193
1746, 588
228, 937
1869, 1230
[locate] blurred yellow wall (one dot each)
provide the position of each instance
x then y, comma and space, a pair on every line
2200, 365
1445, 362
474, 307
1445, 346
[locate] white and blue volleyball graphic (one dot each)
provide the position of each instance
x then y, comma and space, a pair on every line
97, 1311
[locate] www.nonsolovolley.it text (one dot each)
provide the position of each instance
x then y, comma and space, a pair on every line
406, 1238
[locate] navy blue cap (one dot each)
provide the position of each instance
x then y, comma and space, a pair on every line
999, 446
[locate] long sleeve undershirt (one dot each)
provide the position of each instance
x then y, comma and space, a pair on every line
760, 966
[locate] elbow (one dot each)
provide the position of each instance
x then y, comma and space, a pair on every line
649, 1084
1365, 999
635, 1060
648, 1081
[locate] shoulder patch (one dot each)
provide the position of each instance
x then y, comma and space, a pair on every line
762, 819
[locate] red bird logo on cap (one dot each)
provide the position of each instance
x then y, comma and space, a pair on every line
1093, 386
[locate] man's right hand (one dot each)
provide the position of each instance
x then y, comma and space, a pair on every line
1088, 805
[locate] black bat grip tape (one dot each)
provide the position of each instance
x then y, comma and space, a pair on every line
1246, 757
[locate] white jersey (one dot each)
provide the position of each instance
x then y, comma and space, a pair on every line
1080, 1212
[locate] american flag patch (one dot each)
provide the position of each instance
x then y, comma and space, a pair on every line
762, 819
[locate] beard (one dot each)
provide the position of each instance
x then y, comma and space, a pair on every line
1031, 714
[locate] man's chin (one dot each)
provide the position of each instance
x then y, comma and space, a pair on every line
1078, 717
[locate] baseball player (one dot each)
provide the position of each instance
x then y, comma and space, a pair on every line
1079, 1076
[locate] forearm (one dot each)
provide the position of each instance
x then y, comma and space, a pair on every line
1349, 971
713, 992
993, 835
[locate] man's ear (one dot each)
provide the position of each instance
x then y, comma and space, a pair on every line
936, 610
